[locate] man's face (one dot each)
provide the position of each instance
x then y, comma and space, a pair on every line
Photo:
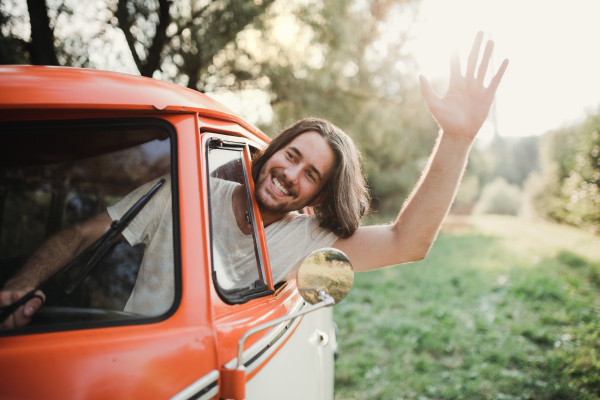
294, 176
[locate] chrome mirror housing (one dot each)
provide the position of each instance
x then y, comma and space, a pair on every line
325, 271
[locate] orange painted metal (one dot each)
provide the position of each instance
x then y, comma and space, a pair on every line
232, 321
231, 129
42, 87
233, 384
149, 360
262, 240
155, 360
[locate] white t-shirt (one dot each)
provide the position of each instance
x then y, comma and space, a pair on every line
289, 241
154, 288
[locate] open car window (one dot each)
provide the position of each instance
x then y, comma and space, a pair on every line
56, 176
237, 265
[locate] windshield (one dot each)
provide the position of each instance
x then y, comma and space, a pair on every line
58, 179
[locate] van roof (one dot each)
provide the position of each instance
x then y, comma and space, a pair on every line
45, 87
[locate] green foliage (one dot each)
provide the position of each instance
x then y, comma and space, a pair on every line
13, 50
483, 317
566, 190
187, 42
363, 82
338, 64
508, 158
513, 158
499, 197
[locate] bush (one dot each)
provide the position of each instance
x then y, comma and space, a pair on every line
499, 197
567, 189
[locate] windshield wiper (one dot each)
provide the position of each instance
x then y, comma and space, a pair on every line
104, 243
111, 236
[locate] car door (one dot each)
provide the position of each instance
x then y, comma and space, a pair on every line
86, 342
291, 360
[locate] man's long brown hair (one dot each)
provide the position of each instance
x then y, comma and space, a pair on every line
347, 200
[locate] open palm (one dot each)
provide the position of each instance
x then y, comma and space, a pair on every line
466, 104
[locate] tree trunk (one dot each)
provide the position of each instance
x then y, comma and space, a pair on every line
154, 58
41, 47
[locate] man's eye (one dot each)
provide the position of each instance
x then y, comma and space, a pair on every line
290, 156
310, 176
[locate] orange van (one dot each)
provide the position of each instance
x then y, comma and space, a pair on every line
75, 143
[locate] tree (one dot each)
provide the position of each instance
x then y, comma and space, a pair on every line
513, 158
176, 40
13, 49
567, 189
44, 32
39, 50
41, 47
339, 65
180, 39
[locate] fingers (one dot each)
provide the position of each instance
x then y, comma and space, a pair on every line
34, 304
474, 56
5, 300
455, 75
22, 316
487, 54
497, 78
431, 97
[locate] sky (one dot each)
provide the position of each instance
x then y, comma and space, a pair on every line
553, 78
553, 47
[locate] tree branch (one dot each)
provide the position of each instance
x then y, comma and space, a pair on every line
41, 47
154, 58
123, 17
190, 22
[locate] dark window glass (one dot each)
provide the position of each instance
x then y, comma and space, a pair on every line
56, 179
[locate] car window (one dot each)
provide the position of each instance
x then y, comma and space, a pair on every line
238, 271
55, 178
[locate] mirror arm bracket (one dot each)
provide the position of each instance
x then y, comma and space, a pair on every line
233, 381
327, 301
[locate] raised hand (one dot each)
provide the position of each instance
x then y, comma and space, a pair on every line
464, 108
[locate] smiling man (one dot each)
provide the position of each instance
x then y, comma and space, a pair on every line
294, 176
313, 163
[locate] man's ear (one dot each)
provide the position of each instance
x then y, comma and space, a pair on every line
318, 200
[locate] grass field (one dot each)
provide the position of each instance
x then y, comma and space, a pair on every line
500, 309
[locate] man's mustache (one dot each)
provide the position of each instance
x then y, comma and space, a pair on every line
283, 180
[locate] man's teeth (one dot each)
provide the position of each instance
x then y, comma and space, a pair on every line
279, 187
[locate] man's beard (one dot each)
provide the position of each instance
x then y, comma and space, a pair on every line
265, 206
271, 209
262, 198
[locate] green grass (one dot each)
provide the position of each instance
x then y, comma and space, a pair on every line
501, 309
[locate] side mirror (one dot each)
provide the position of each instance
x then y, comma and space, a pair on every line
324, 279
325, 271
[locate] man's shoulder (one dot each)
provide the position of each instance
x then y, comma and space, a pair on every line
295, 219
221, 184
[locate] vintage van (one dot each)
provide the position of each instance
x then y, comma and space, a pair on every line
73, 143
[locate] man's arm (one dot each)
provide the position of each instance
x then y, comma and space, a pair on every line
53, 254
460, 114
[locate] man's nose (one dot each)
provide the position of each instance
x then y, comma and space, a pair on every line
292, 173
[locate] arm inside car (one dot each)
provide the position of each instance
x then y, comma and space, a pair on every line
53, 254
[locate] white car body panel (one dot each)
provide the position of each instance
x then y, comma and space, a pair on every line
303, 368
